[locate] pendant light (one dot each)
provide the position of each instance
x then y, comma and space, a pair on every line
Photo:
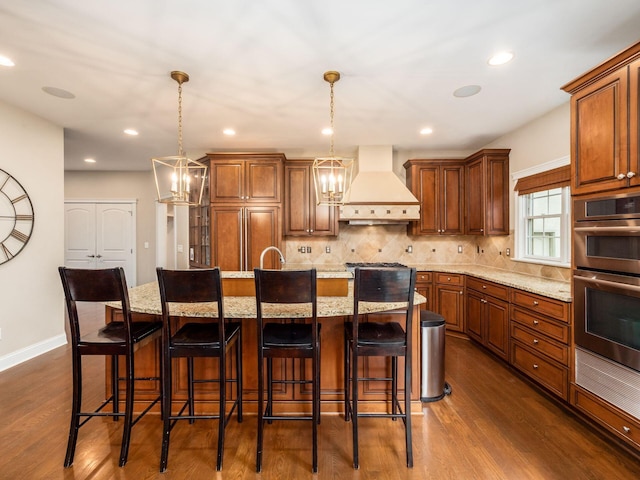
179, 179
331, 175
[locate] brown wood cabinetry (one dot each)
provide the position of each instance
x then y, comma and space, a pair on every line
424, 286
449, 299
604, 125
487, 192
487, 315
439, 186
200, 226
302, 216
245, 209
540, 335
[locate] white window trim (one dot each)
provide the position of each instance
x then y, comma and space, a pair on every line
565, 235
565, 260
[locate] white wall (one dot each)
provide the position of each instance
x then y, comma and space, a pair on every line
31, 298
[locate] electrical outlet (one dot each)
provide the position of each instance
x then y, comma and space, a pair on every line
508, 251
459, 248
308, 249
327, 249
302, 249
409, 249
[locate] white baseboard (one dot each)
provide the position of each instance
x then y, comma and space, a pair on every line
32, 351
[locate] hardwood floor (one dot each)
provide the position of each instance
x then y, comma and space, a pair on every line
494, 425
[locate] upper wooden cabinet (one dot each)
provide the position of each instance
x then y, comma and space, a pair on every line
487, 192
246, 177
604, 125
302, 216
439, 186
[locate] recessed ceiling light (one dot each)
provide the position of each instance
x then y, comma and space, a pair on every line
426, 131
467, 91
500, 58
229, 131
58, 92
90, 160
131, 131
6, 61
327, 131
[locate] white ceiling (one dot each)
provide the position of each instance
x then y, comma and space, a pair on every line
257, 66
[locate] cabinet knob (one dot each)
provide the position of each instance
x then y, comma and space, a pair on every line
535, 366
626, 429
535, 341
621, 176
461, 292
311, 231
631, 174
536, 322
535, 303
448, 279
484, 286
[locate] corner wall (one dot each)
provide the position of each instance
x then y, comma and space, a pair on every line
31, 298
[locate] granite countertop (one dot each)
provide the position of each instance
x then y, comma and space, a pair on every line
146, 299
559, 290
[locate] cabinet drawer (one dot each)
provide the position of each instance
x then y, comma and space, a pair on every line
488, 288
548, 306
547, 373
556, 330
424, 277
617, 422
449, 278
540, 344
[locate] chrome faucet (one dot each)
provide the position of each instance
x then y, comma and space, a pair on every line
282, 261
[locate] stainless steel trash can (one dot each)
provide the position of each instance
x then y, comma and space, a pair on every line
433, 386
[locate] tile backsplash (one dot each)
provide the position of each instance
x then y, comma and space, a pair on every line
389, 243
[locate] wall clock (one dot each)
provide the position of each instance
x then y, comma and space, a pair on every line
16, 217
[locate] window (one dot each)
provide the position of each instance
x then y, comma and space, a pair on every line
543, 227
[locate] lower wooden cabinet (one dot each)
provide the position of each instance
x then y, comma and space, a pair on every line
448, 295
487, 315
619, 423
424, 286
540, 334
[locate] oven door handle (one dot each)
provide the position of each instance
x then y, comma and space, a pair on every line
624, 285
601, 229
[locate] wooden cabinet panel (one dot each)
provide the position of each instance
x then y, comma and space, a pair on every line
599, 134
604, 125
439, 186
556, 330
243, 177
613, 419
541, 344
449, 302
547, 373
539, 304
424, 286
487, 193
487, 317
302, 217
227, 226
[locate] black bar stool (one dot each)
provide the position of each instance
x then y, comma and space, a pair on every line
389, 339
118, 338
209, 338
287, 340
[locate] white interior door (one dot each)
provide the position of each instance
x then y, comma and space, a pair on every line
101, 235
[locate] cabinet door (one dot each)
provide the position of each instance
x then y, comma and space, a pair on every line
474, 179
262, 181
450, 304
262, 230
451, 199
227, 181
497, 326
634, 122
227, 232
428, 191
296, 200
599, 135
496, 219
473, 318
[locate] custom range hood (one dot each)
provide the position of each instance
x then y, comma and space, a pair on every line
377, 196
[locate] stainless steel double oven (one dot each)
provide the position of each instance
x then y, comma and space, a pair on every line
606, 279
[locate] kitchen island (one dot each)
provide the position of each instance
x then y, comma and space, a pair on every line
335, 304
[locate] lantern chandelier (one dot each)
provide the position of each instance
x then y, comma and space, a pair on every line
331, 175
179, 180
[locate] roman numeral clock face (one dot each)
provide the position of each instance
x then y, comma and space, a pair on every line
16, 217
